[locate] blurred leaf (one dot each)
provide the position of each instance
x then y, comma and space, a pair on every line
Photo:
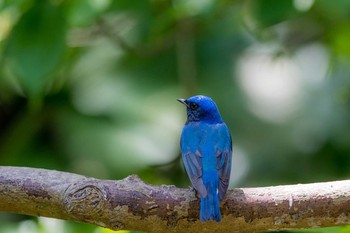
8, 228
340, 229
36, 46
135, 6
74, 227
82, 12
162, 23
22, 4
270, 12
338, 11
340, 41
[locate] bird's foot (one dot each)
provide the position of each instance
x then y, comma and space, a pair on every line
195, 191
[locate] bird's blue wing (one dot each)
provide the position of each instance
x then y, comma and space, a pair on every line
192, 159
193, 167
224, 161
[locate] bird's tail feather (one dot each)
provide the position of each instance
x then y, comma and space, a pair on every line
210, 207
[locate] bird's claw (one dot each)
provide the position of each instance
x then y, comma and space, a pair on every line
195, 191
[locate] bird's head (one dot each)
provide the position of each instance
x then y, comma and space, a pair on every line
201, 108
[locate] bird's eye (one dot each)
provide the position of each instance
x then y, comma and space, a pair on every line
193, 106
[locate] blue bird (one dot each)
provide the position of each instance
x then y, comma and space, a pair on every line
206, 148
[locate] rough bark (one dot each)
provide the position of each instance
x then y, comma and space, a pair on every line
131, 204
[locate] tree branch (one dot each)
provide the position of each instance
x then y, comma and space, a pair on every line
134, 205
147, 50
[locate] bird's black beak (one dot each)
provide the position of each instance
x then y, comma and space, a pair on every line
183, 101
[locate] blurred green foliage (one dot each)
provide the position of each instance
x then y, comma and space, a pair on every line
90, 87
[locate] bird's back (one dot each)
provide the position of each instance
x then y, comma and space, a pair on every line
206, 152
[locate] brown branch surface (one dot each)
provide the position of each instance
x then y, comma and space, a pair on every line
131, 204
